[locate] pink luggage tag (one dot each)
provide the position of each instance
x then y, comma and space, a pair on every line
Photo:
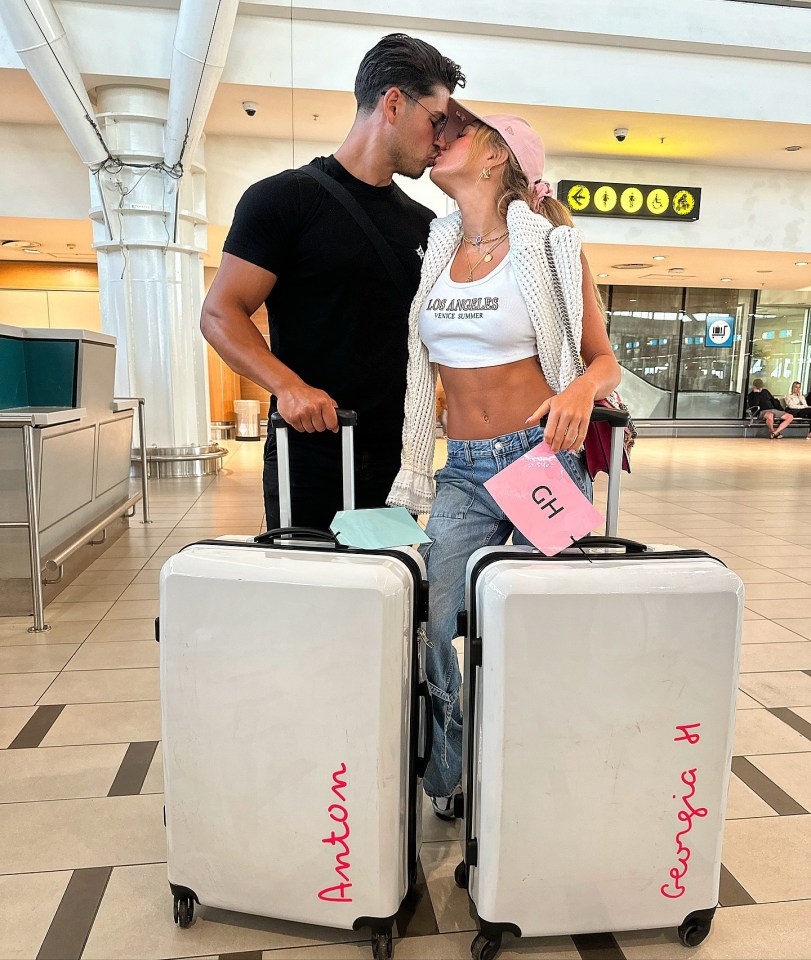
543, 501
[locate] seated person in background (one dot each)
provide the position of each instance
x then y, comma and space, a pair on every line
797, 405
769, 408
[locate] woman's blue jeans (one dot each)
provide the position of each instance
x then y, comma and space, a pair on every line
464, 518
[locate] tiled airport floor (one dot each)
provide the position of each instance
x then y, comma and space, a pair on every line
82, 853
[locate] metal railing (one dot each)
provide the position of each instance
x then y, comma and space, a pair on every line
85, 536
144, 468
31, 523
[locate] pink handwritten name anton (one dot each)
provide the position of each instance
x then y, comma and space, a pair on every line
686, 815
339, 814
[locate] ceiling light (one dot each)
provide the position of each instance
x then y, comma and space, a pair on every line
726, 279
798, 263
19, 244
793, 149
605, 274
659, 258
632, 301
31, 250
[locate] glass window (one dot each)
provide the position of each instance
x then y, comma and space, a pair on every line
714, 335
644, 330
780, 348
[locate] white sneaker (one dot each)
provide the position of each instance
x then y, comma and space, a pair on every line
443, 807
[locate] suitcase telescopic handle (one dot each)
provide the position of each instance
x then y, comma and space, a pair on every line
424, 758
298, 533
347, 421
630, 546
617, 418
346, 418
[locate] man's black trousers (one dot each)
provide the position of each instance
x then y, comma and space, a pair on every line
316, 476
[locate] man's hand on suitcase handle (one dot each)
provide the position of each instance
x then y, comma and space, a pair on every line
346, 418
307, 409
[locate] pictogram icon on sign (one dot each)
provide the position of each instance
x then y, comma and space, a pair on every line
683, 203
579, 197
658, 200
605, 199
631, 200
720, 330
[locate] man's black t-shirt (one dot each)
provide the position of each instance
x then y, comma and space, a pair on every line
336, 318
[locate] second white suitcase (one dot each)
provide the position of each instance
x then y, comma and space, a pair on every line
599, 707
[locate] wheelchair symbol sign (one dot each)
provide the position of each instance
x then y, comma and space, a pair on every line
720, 330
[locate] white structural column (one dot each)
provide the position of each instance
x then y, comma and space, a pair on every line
149, 232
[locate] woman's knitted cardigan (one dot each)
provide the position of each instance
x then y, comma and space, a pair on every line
546, 265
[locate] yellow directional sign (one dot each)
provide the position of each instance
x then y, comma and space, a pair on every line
605, 199
579, 197
632, 199
658, 201
683, 203
595, 198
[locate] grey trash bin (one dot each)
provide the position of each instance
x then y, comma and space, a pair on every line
246, 415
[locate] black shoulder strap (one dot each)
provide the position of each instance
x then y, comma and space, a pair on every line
388, 257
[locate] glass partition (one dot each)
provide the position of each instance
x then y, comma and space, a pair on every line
644, 325
715, 331
780, 348
38, 372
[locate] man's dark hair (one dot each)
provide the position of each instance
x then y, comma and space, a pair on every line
411, 65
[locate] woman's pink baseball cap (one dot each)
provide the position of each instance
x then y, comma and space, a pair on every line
523, 141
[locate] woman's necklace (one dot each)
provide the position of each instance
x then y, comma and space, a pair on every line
484, 259
480, 238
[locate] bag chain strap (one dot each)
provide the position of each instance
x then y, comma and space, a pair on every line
578, 360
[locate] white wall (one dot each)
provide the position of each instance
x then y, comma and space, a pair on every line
41, 174
741, 208
716, 58
234, 163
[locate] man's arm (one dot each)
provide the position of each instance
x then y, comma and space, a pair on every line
236, 294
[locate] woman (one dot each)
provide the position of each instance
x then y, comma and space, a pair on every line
795, 403
487, 316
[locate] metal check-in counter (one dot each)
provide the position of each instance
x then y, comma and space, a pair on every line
65, 448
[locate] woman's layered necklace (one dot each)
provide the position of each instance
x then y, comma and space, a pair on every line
482, 241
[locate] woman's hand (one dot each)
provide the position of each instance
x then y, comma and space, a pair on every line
569, 414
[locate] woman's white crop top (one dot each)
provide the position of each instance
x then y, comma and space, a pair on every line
478, 324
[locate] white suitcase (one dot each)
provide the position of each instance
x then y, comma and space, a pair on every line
599, 705
292, 703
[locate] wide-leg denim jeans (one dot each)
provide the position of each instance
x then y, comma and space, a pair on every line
464, 518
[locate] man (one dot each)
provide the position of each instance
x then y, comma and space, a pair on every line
769, 408
338, 320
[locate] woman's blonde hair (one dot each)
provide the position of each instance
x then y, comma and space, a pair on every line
514, 182
515, 186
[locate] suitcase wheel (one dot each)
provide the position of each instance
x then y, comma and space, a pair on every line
183, 911
460, 875
694, 931
381, 946
485, 948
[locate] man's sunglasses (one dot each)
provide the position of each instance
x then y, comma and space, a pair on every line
438, 125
